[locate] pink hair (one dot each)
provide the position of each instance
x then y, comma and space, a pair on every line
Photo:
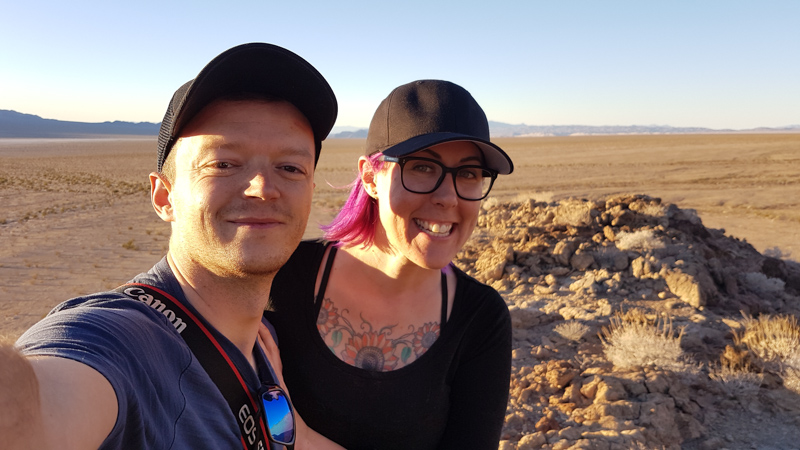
355, 223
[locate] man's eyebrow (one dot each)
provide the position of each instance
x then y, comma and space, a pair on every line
219, 142
297, 151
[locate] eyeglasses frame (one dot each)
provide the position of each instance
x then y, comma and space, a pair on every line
402, 160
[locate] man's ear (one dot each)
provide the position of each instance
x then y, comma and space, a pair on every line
160, 188
367, 174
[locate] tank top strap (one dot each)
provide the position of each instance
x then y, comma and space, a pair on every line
444, 301
323, 283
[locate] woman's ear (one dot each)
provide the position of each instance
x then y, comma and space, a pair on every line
160, 188
367, 173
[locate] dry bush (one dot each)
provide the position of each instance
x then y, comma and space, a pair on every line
761, 284
633, 340
791, 373
772, 339
572, 330
739, 382
638, 240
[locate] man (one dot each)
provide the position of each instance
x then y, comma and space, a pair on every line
236, 156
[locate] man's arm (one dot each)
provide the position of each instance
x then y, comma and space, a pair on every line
50, 402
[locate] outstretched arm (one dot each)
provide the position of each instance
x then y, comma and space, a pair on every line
50, 402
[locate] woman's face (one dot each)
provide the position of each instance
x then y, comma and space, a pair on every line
427, 229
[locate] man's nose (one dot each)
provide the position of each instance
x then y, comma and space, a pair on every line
261, 186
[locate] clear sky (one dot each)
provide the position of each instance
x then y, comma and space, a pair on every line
716, 64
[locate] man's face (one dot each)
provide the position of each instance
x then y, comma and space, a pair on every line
241, 194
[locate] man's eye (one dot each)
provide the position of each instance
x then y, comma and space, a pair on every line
292, 169
222, 165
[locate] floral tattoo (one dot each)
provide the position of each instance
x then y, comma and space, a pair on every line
369, 349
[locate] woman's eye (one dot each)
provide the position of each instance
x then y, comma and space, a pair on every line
424, 168
468, 174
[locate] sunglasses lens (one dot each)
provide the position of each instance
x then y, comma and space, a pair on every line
279, 416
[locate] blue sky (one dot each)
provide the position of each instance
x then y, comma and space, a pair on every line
716, 64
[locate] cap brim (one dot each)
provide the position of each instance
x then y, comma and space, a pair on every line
494, 156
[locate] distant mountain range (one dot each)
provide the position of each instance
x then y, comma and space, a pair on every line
18, 125
499, 129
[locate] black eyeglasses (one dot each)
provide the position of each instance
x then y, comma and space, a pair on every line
425, 175
279, 415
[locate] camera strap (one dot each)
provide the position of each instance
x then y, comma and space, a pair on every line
208, 351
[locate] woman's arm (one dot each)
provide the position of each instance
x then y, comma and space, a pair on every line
479, 389
305, 437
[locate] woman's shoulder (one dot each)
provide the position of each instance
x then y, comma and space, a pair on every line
473, 294
472, 284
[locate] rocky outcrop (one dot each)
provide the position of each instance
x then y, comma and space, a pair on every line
585, 261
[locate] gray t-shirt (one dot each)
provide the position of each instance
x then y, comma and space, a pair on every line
166, 400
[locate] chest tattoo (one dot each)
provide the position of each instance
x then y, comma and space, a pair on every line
364, 347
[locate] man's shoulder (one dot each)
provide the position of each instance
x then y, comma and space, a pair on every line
110, 315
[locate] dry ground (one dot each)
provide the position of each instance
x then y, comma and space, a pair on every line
76, 216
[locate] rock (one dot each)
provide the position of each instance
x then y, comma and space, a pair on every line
657, 415
532, 441
525, 317
610, 389
560, 373
546, 424
492, 262
581, 261
574, 213
507, 445
563, 251
552, 261
685, 287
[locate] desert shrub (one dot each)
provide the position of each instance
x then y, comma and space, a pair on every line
736, 381
772, 339
633, 340
572, 330
761, 284
638, 240
791, 372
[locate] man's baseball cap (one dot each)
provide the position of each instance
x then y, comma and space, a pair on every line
259, 69
424, 113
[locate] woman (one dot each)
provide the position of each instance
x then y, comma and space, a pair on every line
386, 344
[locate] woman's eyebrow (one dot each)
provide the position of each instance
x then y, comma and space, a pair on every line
436, 155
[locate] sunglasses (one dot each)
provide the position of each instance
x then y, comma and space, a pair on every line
279, 415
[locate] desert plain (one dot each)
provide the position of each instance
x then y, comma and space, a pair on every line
76, 218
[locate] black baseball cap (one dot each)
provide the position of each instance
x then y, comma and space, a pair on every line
425, 113
259, 69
